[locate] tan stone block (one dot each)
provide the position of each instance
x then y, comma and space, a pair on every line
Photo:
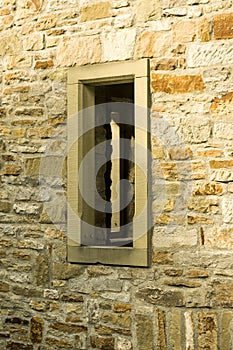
67, 327
189, 324
95, 11
144, 332
198, 219
147, 10
208, 189
163, 258
78, 50
36, 329
204, 29
207, 331
219, 238
161, 330
197, 273
222, 104
223, 26
44, 64
33, 42
118, 44
210, 153
164, 64
122, 307
19, 61
182, 283
102, 343
154, 44
175, 84
10, 44
46, 22
226, 320
184, 31
11, 170
180, 153
218, 164
175, 330
121, 320
204, 205
58, 343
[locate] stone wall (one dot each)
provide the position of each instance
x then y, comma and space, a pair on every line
184, 300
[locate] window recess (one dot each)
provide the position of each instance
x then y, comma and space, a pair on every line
108, 220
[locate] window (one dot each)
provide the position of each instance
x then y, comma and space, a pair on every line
108, 216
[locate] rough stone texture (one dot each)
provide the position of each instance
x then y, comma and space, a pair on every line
145, 332
223, 26
184, 299
173, 84
95, 11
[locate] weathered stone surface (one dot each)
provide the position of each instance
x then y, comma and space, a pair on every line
78, 50
154, 44
12, 345
175, 330
209, 54
102, 343
204, 29
189, 324
184, 31
227, 207
42, 270
149, 10
204, 205
67, 327
118, 45
226, 320
161, 329
145, 332
96, 11
34, 42
66, 271
160, 297
216, 164
222, 104
9, 44
121, 320
207, 331
36, 329
223, 26
222, 294
175, 84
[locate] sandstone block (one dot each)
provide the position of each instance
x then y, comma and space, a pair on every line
78, 50
102, 343
154, 44
118, 45
222, 175
10, 44
66, 271
204, 29
95, 11
11, 170
175, 330
223, 104
175, 84
5, 207
34, 42
222, 294
208, 54
212, 153
147, 10
226, 320
13, 345
46, 22
145, 332
204, 205
189, 324
36, 329
223, 26
223, 131
67, 327
123, 344
219, 238
161, 330
184, 31
120, 320
207, 331
58, 343
227, 208
218, 164
159, 297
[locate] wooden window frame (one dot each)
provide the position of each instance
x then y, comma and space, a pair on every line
81, 82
